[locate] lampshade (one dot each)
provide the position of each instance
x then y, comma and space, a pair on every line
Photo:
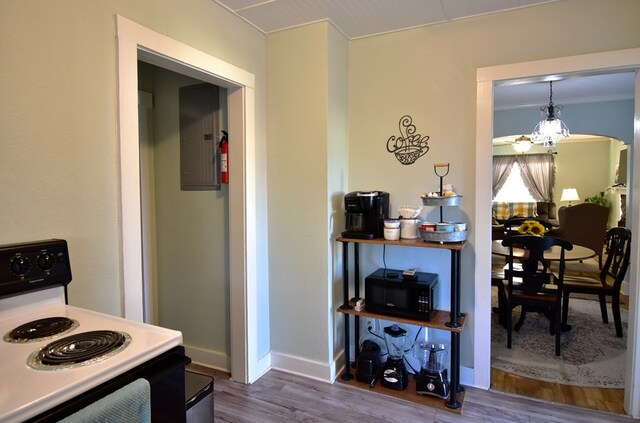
569, 194
522, 144
550, 129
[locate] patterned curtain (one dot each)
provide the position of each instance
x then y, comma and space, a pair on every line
501, 169
538, 174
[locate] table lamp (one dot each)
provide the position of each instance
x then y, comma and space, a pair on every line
569, 194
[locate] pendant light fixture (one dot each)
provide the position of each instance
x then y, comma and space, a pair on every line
550, 129
522, 144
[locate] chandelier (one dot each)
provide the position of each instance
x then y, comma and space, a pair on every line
550, 129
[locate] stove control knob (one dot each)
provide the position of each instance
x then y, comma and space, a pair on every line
19, 265
46, 261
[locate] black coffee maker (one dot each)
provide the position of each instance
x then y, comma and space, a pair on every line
365, 213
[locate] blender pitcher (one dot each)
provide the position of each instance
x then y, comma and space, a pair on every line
394, 372
432, 379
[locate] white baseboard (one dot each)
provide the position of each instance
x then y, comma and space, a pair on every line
466, 376
323, 372
222, 362
328, 372
208, 358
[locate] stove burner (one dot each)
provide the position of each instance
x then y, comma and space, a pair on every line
79, 350
38, 330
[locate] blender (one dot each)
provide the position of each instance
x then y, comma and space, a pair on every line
394, 372
432, 379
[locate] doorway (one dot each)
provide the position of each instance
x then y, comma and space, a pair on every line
185, 230
590, 370
628, 60
136, 42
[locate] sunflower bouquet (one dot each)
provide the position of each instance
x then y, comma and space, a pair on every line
531, 227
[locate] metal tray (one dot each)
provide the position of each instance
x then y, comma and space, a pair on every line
435, 236
453, 200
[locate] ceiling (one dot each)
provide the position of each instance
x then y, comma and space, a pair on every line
365, 18
566, 90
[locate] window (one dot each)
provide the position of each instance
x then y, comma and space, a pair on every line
514, 189
530, 176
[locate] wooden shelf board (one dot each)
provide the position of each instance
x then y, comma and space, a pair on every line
407, 243
408, 394
437, 321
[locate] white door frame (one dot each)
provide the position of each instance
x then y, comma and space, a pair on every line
138, 42
486, 77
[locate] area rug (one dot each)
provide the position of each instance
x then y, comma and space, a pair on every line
591, 353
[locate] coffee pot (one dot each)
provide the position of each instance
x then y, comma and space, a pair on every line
432, 379
365, 212
394, 372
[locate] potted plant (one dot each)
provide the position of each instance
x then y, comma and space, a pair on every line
598, 199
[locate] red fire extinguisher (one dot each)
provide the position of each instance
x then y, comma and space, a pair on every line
224, 158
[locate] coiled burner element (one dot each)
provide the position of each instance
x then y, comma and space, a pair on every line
38, 330
79, 350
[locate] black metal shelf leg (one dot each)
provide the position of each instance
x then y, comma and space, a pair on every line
454, 314
346, 375
452, 401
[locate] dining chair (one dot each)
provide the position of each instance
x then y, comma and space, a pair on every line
528, 282
608, 282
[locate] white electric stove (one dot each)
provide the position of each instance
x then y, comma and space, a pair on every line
81, 356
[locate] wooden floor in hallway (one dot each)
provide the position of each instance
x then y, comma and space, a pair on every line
602, 399
283, 397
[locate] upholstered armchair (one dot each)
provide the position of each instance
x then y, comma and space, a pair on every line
584, 224
547, 211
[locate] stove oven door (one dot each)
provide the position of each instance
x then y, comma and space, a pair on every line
166, 376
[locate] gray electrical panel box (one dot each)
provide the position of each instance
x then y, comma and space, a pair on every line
199, 137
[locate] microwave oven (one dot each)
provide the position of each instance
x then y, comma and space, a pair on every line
388, 292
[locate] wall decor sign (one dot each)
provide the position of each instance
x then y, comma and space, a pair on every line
408, 146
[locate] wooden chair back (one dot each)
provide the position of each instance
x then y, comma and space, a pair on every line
534, 271
618, 248
533, 289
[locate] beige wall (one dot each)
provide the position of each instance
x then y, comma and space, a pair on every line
430, 74
58, 121
337, 176
307, 74
583, 166
59, 164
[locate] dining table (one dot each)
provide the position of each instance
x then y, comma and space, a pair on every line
577, 253
552, 254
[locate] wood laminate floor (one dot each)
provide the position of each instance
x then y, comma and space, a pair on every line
609, 400
282, 397
602, 399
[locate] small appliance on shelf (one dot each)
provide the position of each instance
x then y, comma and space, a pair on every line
404, 294
365, 214
432, 379
368, 361
394, 372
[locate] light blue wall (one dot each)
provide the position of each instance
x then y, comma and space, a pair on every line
610, 118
